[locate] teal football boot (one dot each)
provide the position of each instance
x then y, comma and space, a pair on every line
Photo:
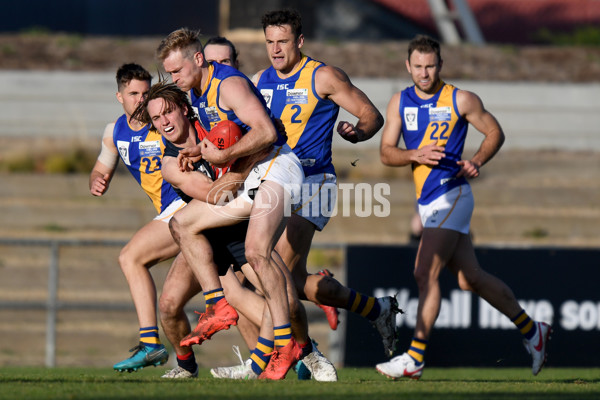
143, 356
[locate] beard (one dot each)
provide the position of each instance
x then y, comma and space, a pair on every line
431, 88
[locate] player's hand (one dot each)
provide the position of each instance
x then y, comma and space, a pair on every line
429, 155
348, 131
187, 157
468, 169
213, 154
100, 185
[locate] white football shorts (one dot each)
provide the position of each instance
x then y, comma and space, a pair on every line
318, 197
168, 212
452, 210
281, 166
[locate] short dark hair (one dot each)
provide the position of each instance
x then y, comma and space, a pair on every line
288, 16
424, 44
128, 72
171, 94
222, 41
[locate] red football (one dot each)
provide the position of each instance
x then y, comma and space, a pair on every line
225, 134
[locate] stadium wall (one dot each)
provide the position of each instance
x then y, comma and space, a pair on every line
79, 104
554, 285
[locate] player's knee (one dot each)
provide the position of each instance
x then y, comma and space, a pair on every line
465, 284
168, 307
126, 257
175, 228
256, 258
422, 276
473, 281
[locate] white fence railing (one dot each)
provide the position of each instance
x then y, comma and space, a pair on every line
53, 304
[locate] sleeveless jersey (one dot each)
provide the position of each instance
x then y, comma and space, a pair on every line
142, 151
206, 104
201, 165
434, 121
309, 119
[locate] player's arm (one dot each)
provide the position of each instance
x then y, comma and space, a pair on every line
278, 123
236, 95
334, 84
200, 187
394, 156
193, 183
105, 166
471, 107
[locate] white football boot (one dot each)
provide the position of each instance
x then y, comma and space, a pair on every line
321, 369
242, 371
537, 346
401, 366
180, 373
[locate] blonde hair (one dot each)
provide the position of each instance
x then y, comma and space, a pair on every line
183, 39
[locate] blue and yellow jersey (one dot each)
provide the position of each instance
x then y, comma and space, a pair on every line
309, 119
142, 152
434, 121
206, 104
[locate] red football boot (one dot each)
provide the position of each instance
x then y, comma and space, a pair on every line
282, 359
218, 317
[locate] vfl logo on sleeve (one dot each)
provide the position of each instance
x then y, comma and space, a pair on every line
410, 118
123, 148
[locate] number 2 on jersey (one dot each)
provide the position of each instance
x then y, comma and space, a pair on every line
297, 109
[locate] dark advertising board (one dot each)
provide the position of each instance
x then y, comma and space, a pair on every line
558, 286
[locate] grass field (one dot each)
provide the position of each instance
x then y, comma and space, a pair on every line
354, 383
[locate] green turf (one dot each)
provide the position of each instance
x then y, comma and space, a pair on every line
355, 383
